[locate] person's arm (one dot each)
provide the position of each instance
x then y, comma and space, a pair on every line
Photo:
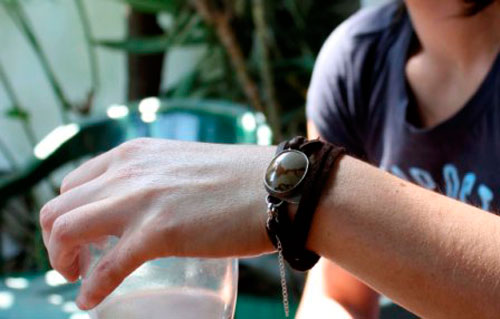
437, 257
434, 255
331, 292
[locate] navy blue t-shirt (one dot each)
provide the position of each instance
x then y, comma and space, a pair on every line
359, 98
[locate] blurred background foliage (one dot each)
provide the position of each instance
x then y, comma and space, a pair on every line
259, 52
256, 52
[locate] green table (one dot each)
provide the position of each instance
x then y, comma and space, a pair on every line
42, 296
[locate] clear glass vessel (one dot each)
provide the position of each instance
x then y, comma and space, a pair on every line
171, 288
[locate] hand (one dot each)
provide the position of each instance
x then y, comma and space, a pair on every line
162, 198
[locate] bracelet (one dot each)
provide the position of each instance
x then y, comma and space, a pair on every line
303, 188
296, 176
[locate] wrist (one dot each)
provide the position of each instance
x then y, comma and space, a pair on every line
260, 207
336, 194
295, 180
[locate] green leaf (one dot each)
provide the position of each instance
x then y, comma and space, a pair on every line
148, 45
17, 113
155, 6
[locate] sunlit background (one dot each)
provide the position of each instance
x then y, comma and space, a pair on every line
63, 42
71, 86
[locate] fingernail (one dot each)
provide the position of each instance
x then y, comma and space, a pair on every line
81, 302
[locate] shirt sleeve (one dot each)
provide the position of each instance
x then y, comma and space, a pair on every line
332, 102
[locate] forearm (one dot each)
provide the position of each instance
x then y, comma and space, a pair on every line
315, 303
434, 255
332, 293
319, 306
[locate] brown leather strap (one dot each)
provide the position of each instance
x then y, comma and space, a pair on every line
327, 156
293, 235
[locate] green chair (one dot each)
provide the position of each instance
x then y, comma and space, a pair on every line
204, 121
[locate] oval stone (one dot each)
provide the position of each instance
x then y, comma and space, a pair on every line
286, 171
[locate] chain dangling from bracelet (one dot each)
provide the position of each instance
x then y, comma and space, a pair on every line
272, 214
284, 289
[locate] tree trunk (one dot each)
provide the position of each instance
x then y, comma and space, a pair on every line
144, 70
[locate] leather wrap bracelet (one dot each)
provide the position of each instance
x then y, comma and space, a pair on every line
291, 235
296, 176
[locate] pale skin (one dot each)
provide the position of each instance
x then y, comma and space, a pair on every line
166, 198
455, 55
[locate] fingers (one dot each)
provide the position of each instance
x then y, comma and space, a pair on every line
73, 270
86, 172
80, 265
111, 270
72, 199
83, 225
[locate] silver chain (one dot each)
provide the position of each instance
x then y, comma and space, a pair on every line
272, 211
284, 289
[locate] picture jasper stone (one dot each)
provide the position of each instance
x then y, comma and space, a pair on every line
286, 171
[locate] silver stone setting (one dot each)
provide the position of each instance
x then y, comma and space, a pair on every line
285, 174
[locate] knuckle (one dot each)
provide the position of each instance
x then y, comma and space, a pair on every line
121, 152
125, 173
103, 268
131, 147
65, 184
61, 230
133, 257
108, 276
46, 216
169, 232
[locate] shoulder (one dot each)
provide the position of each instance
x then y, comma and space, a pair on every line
356, 53
347, 70
373, 20
367, 30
